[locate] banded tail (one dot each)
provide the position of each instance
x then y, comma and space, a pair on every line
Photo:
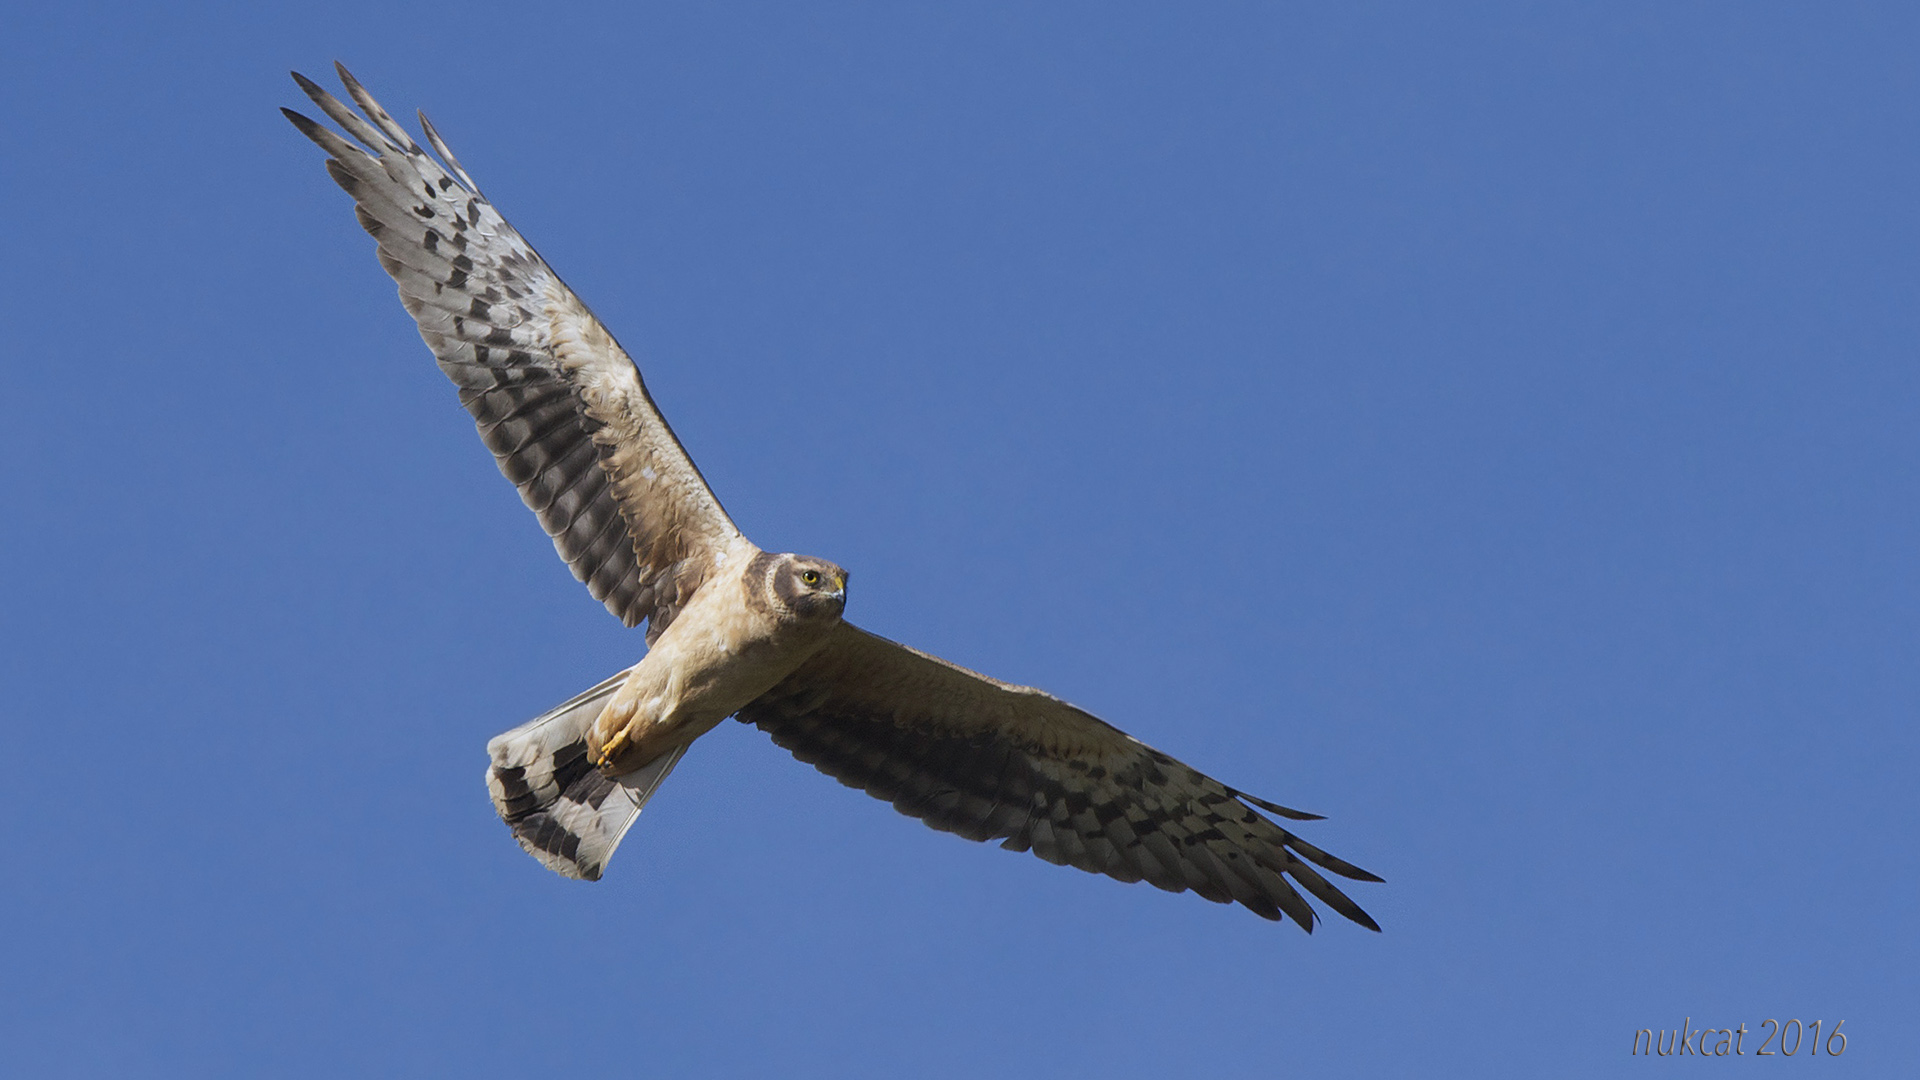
565, 812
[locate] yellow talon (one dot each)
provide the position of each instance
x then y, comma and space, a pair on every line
611, 749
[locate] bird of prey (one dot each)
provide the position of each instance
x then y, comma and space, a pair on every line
736, 631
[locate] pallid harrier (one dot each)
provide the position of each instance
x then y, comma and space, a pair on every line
736, 631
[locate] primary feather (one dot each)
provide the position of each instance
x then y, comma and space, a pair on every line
554, 396
571, 424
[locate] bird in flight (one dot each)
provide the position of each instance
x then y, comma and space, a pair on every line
736, 631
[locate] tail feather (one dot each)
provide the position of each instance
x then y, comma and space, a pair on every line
565, 812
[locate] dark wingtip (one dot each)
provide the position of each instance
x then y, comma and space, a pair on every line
1275, 808
314, 91
347, 77
1339, 866
1344, 905
306, 124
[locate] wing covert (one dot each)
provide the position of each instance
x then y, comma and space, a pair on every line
988, 760
554, 396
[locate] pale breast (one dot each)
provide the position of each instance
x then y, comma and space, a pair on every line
725, 648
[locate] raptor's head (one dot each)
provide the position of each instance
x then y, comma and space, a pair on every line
806, 587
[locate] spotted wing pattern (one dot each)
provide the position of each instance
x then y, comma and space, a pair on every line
991, 761
556, 399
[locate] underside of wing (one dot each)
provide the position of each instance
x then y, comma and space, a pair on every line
555, 398
971, 755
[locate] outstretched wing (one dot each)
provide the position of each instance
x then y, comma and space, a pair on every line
991, 761
556, 399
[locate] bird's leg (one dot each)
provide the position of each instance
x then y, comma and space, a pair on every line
613, 748
620, 725
639, 722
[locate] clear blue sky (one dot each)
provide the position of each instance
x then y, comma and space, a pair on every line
1495, 429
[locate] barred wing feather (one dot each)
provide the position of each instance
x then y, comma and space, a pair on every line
554, 396
988, 760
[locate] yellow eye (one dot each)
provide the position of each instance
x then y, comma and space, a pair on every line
811, 577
